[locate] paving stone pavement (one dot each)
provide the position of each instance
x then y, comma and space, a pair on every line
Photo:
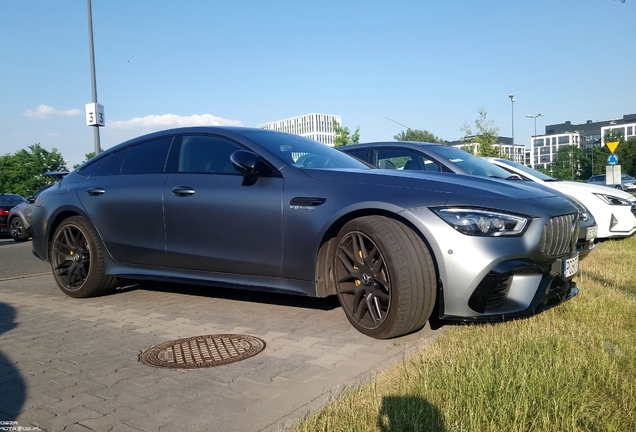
72, 364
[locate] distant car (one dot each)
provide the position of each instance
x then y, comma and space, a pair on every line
628, 183
20, 217
7, 202
264, 210
431, 157
613, 209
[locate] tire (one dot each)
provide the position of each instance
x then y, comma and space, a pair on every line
619, 187
17, 231
384, 276
77, 260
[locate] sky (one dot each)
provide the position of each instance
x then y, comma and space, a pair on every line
380, 65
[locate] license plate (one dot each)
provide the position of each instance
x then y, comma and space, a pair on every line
590, 232
570, 266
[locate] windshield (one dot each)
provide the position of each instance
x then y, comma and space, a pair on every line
303, 152
470, 163
526, 170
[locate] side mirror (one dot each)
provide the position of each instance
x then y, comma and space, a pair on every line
30, 200
246, 163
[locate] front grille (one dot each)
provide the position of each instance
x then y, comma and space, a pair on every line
559, 235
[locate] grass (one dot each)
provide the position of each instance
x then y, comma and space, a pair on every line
571, 368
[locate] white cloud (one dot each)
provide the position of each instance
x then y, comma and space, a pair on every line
172, 120
45, 111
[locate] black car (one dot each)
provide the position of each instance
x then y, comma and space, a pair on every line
432, 157
7, 202
258, 209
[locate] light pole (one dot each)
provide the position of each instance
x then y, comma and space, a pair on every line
97, 119
535, 122
512, 104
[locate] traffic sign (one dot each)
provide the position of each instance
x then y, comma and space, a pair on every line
612, 159
612, 146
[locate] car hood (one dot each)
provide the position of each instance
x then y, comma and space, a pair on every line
435, 182
568, 186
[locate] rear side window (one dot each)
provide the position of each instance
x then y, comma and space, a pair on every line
147, 158
108, 165
361, 154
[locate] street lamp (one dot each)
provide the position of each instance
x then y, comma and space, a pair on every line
512, 104
535, 122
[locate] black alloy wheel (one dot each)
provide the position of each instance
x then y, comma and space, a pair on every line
17, 231
384, 276
77, 260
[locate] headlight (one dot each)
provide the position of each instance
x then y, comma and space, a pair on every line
612, 200
482, 222
584, 213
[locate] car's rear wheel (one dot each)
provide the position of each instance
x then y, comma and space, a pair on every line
385, 277
77, 260
619, 187
17, 231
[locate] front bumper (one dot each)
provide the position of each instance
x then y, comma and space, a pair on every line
490, 278
496, 293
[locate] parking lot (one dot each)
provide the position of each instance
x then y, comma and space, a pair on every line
72, 364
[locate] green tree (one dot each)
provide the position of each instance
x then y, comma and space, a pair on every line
87, 157
626, 152
484, 139
594, 162
567, 163
23, 172
344, 136
418, 135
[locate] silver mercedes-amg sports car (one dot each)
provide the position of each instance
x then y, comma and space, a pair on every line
258, 209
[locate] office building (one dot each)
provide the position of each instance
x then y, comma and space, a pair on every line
318, 127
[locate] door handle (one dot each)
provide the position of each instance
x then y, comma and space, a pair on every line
182, 191
95, 191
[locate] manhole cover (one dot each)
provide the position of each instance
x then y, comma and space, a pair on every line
202, 351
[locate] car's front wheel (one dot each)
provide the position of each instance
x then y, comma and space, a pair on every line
17, 231
77, 260
385, 277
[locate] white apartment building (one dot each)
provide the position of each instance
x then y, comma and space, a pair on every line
586, 136
514, 152
628, 130
318, 127
543, 149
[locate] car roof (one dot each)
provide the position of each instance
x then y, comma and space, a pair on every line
413, 144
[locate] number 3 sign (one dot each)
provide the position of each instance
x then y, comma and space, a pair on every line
94, 114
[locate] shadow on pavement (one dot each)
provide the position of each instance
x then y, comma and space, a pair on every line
12, 387
409, 413
237, 294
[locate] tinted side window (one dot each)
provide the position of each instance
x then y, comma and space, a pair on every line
111, 164
207, 154
147, 158
359, 153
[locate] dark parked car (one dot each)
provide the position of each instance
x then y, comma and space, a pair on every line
7, 202
19, 219
258, 209
422, 156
